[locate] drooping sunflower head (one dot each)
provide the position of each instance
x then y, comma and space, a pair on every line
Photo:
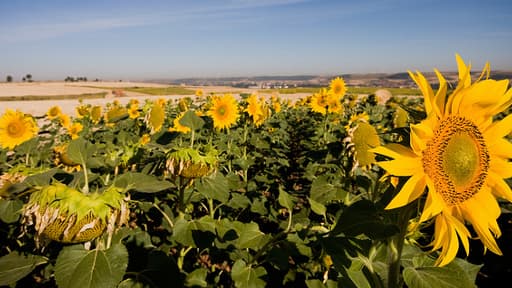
460, 153
115, 113
191, 163
155, 117
66, 215
362, 139
223, 111
96, 114
54, 112
337, 87
16, 128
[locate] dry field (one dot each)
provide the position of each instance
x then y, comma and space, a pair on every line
37, 107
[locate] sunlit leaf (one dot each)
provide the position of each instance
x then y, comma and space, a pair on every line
246, 276
80, 268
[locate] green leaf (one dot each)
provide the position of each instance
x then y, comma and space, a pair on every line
14, 266
246, 276
215, 186
250, 236
362, 217
285, 200
79, 150
197, 278
317, 207
322, 191
195, 233
10, 210
191, 120
45, 178
314, 283
435, 277
77, 267
141, 182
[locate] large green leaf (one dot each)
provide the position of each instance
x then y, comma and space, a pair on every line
250, 236
285, 200
10, 210
215, 186
79, 150
141, 182
14, 266
322, 191
247, 276
363, 217
191, 120
197, 278
80, 268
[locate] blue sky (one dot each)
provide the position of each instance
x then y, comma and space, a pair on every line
125, 39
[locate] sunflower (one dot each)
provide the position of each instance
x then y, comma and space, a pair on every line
224, 111
199, 93
82, 111
337, 87
318, 101
460, 155
255, 109
334, 103
133, 111
75, 129
16, 128
53, 112
96, 114
65, 120
155, 117
177, 127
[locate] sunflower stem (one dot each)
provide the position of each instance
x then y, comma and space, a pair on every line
396, 246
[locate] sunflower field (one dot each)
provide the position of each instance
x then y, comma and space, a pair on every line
330, 190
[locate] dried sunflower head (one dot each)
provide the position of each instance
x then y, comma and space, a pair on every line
191, 163
66, 215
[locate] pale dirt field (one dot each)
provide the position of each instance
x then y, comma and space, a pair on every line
40, 107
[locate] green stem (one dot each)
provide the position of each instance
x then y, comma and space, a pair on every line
166, 217
396, 246
192, 136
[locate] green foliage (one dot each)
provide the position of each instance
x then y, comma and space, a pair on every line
283, 204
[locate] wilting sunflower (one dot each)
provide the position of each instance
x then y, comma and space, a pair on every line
460, 154
66, 215
16, 128
53, 112
155, 117
191, 163
224, 111
337, 87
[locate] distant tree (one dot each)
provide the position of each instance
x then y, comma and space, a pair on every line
28, 77
8, 78
23, 79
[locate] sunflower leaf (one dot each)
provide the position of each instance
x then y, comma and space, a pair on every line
77, 267
14, 266
246, 276
191, 120
141, 182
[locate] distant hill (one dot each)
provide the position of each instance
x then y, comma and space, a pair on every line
389, 80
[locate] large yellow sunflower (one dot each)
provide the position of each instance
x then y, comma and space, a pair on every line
16, 128
318, 101
460, 154
255, 109
224, 111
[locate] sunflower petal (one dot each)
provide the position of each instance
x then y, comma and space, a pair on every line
483, 96
425, 88
433, 205
500, 147
411, 190
501, 167
394, 151
499, 129
402, 168
441, 93
500, 188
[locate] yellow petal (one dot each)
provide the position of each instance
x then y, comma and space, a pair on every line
464, 76
441, 93
500, 128
501, 167
486, 72
500, 188
420, 134
500, 147
425, 88
450, 245
434, 204
402, 168
394, 151
411, 190
462, 231
483, 96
